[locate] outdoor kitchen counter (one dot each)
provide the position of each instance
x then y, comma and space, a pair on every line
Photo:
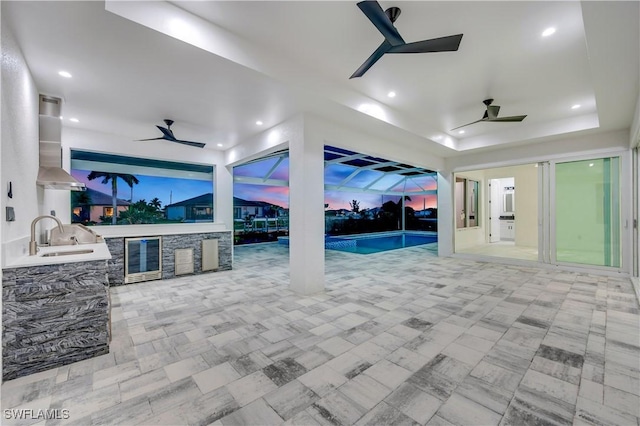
55, 310
100, 252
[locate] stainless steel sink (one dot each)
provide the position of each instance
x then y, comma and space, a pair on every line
73, 234
67, 252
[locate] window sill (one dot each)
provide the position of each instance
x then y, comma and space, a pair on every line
112, 231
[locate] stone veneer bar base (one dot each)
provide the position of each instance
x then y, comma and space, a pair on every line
53, 315
169, 245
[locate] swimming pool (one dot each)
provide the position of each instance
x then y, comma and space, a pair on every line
373, 243
378, 243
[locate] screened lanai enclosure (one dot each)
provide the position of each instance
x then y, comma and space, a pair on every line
364, 194
369, 194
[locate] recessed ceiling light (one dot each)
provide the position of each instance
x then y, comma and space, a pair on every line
64, 74
75, 120
220, 144
259, 123
576, 106
590, 164
391, 94
548, 32
461, 132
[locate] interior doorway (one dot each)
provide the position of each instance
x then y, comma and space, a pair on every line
502, 225
507, 225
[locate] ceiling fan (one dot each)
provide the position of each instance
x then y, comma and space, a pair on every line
393, 42
167, 134
491, 114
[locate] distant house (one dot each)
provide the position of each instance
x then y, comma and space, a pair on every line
247, 208
371, 213
92, 204
338, 213
196, 209
427, 213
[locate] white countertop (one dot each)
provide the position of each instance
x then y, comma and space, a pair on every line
100, 252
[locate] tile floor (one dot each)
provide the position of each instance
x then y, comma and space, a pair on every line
401, 337
506, 249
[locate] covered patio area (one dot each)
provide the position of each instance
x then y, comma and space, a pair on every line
397, 337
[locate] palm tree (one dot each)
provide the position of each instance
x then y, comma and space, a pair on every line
156, 203
113, 177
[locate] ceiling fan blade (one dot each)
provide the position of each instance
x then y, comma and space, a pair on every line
377, 54
152, 139
468, 124
381, 21
196, 144
509, 119
492, 111
168, 134
442, 44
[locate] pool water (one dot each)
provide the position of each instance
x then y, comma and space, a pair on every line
377, 244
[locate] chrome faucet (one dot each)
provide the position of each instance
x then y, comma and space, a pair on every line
33, 245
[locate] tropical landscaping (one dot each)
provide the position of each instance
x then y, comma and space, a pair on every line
389, 216
95, 207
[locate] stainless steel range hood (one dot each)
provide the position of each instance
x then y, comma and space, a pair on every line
51, 175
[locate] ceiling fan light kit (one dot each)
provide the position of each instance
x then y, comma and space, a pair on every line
167, 134
393, 41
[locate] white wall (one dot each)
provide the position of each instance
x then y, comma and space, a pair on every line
356, 140
19, 144
332, 134
569, 146
271, 140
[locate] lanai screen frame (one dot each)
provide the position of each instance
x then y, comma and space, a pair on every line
356, 166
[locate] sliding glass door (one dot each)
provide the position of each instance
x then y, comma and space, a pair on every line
586, 226
568, 212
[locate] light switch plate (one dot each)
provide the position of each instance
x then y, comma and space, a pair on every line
10, 215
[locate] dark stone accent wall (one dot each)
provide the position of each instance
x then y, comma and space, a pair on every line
115, 265
53, 315
169, 245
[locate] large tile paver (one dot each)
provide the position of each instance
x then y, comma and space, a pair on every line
396, 337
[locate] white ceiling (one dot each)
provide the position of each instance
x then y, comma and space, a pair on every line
273, 59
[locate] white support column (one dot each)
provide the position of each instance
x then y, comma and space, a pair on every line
306, 213
445, 214
223, 209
